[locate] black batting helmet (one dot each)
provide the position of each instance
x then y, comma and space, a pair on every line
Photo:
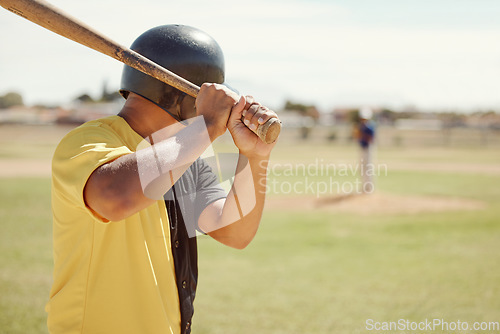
186, 51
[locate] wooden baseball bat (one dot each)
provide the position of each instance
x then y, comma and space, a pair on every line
52, 18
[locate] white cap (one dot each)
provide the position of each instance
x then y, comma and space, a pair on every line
365, 113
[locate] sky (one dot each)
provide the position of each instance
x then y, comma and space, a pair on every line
427, 54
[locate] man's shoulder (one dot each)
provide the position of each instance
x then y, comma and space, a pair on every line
112, 129
97, 127
110, 121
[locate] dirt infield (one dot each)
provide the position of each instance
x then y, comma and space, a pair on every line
25, 168
26, 150
377, 203
468, 168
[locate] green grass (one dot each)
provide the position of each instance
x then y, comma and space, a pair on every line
306, 272
319, 272
330, 273
12, 150
475, 186
29, 142
26, 254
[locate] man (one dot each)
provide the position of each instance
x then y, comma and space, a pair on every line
365, 135
124, 259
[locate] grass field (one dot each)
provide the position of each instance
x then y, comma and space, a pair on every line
310, 269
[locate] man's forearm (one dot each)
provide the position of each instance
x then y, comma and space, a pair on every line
240, 215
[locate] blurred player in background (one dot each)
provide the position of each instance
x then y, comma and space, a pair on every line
365, 134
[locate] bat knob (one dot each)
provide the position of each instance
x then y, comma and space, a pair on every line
269, 131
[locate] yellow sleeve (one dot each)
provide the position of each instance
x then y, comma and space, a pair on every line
77, 156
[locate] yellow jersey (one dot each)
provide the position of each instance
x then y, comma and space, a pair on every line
109, 277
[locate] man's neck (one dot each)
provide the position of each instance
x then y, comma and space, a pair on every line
145, 117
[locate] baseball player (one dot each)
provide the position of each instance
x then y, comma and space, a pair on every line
366, 135
124, 188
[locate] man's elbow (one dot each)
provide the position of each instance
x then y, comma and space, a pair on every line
237, 242
109, 202
117, 210
109, 206
241, 244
